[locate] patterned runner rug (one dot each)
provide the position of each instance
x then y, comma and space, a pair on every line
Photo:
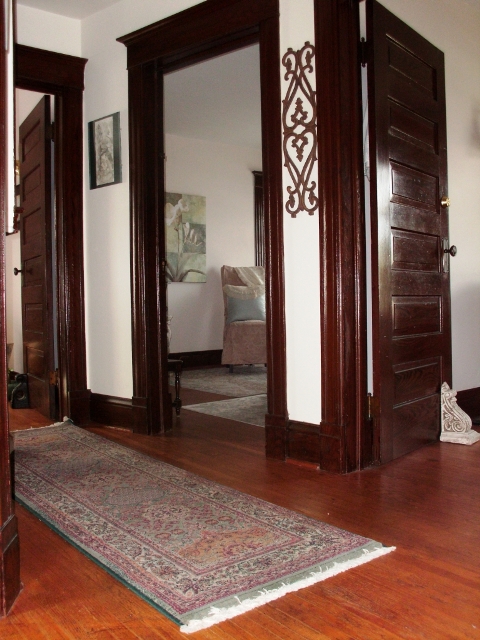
198, 551
251, 409
244, 381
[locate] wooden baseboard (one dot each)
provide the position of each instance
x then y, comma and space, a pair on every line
314, 444
275, 436
198, 358
317, 446
469, 401
112, 411
79, 402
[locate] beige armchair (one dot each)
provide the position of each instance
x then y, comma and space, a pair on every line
244, 335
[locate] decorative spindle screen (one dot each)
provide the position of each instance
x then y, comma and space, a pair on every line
300, 130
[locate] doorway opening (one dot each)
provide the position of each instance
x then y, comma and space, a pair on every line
153, 52
213, 148
62, 76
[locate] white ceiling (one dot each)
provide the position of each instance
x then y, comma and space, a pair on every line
70, 8
84, 8
217, 100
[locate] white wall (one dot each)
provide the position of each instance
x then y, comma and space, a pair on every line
223, 174
454, 27
302, 267
50, 31
107, 226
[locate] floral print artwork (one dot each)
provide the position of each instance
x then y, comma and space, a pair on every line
185, 231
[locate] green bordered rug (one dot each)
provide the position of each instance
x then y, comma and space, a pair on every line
246, 380
250, 410
196, 550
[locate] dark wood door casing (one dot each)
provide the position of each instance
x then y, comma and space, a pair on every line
343, 441
63, 76
411, 289
203, 31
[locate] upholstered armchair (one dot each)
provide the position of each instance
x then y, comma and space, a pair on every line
244, 335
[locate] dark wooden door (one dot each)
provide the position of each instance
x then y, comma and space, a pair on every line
36, 256
411, 289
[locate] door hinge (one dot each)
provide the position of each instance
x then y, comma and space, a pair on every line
50, 131
371, 406
53, 377
363, 52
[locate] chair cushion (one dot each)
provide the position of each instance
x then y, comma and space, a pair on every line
250, 309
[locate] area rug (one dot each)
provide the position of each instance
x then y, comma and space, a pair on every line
251, 409
196, 550
244, 381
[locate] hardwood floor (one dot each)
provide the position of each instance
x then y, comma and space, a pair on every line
427, 504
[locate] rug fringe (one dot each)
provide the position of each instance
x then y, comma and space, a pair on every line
66, 420
216, 615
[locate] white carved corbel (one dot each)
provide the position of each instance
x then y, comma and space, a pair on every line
456, 424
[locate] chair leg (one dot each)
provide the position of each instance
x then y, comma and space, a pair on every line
177, 402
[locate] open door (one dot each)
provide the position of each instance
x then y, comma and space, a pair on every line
410, 255
35, 141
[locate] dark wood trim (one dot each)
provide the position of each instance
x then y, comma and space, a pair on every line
111, 410
259, 218
342, 258
469, 401
152, 400
205, 30
272, 163
219, 24
63, 70
314, 444
209, 358
9, 542
61, 75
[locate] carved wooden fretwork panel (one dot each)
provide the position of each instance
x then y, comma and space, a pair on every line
456, 424
300, 130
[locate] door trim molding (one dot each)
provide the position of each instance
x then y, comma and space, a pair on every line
62, 76
196, 34
342, 238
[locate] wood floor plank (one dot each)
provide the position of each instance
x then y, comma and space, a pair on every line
426, 504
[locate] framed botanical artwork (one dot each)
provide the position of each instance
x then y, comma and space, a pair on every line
185, 231
104, 151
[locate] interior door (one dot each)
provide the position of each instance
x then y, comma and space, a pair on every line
35, 138
409, 211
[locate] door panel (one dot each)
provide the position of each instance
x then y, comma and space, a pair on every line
411, 290
36, 255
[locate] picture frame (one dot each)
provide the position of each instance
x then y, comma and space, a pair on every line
104, 151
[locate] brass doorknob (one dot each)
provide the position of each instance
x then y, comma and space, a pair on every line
452, 251
445, 202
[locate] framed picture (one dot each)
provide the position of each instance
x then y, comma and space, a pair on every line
185, 231
104, 151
